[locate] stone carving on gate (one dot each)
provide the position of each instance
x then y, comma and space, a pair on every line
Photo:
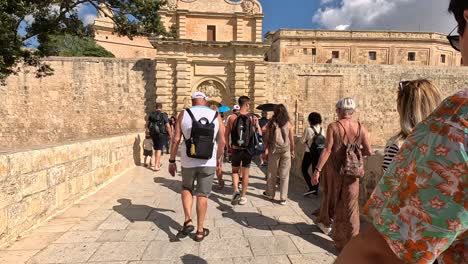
211, 88
248, 6
171, 4
251, 6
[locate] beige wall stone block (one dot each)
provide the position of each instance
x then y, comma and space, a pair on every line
62, 154
3, 222
43, 159
56, 175
4, 166
63, 194
33, 182
21, 162
10, 191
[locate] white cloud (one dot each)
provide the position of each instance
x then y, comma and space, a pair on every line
89, 19
404, 15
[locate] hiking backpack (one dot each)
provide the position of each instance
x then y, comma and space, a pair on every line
200, 145
318, 143
243, 131
279, 139
353, 165
157, 124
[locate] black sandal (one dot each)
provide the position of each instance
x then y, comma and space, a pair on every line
186, 229
203, 234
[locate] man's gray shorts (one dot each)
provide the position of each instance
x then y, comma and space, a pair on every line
203, 176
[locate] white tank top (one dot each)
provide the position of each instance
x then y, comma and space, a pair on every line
186, 126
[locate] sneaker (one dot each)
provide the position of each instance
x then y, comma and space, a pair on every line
309, 192
324, 229
235, 198
243, 200
283, 202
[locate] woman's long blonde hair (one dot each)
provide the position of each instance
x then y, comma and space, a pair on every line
416, 100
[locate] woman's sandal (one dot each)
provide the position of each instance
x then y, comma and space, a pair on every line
203, 234
186, 229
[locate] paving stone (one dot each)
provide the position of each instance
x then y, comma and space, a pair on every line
163, 250
141, 235
112, 236
33, 241
116, 251
79, 237
99, 215
261, 220
147, 225
310, 244
277, 211
225, 248
290, 219
86, 225
283, 259
66, 253
284, 230
230, 232
16, 256
318, 258
275, 245
261, 230
115, 225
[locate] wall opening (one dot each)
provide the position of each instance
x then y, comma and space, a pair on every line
211, 33
372, 55
335, 54
411, 56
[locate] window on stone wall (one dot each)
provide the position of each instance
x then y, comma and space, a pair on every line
314, 51
411, 56
304, 51
211, 33
335, 54
442, 58
372, 55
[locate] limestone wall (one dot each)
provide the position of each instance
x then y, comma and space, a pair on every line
307, 88
36, 183
84, 98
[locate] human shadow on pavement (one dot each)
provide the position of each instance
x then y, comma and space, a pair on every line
145, 213
192, 259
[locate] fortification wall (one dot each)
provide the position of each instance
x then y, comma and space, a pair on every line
84, 98
307, 88
37, 183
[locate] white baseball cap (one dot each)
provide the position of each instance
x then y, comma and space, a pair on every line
199, 95
346, 104
236, 107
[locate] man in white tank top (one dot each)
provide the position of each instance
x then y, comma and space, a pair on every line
201, 171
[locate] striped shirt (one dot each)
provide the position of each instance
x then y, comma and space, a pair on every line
391, 150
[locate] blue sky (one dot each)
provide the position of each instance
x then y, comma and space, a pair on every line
289, 14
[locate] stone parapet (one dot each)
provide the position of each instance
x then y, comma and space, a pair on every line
37, 183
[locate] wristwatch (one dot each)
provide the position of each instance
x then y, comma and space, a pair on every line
172, 161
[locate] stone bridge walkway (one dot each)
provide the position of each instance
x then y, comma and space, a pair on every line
134, 219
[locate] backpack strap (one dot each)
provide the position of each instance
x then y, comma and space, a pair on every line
345, 134
215, 117
191, 115
358, 135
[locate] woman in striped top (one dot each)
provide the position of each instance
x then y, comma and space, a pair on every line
416, 100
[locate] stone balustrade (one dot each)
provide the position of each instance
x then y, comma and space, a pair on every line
37, 183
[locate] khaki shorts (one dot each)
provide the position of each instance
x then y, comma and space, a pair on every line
203, 176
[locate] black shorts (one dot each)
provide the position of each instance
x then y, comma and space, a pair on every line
241, 156
159, 141
147, 152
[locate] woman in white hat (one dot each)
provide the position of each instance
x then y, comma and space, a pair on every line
342, 165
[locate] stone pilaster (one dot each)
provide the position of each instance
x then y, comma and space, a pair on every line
182, 23
240, 24
163, 83
240, 80
183, 83
258, 28
259, 84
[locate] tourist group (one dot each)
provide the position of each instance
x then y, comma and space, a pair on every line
419, 207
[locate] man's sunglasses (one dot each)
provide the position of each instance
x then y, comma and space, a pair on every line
454, 40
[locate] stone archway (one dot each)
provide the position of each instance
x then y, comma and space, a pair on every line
216, 91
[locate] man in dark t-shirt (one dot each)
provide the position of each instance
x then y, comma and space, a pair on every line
160, 131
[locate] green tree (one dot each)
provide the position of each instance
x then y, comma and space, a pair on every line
46, 19
74, 46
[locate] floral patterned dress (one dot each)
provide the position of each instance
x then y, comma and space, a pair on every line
420, 204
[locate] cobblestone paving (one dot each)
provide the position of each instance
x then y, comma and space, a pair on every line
134, 219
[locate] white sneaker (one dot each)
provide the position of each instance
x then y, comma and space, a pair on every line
243, 200
324, 229
283, 202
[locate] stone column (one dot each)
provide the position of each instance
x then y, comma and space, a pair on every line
239, 27
182, 23
163, 83
259, 84
258, 28
183, 83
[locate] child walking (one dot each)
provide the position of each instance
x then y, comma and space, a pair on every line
148, 149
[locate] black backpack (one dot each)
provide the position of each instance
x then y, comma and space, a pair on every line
201, 142
157, 123
318, 143
243, 131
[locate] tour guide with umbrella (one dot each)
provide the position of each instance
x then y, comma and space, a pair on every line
224, 109
267, 107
